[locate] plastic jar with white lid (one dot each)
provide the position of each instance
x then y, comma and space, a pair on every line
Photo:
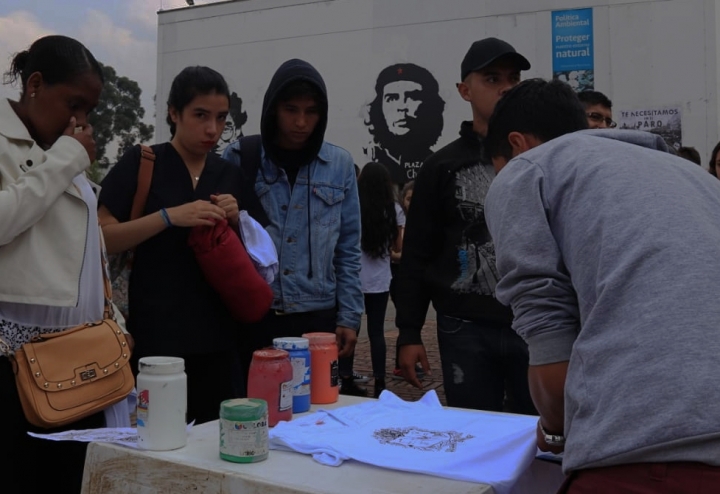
161, 403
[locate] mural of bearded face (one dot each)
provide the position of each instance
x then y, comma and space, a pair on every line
404, 120
400, 103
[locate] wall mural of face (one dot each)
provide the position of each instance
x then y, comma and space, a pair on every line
404, 120
400, 103
233, 124
229, 133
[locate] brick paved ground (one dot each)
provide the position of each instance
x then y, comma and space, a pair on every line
401, 388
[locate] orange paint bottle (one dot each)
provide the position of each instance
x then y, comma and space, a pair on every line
324, 373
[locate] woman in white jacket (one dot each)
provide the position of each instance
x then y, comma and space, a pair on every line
50, 252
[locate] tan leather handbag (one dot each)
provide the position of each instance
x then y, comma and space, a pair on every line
66, 376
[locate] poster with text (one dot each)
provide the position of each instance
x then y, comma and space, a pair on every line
665, 121
573, 50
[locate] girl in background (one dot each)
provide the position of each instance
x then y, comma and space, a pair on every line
382, 220
405, 197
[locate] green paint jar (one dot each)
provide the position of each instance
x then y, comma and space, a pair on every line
244, 430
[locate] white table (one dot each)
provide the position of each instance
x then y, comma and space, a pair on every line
197, 468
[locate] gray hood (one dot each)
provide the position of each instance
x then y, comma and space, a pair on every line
637, 137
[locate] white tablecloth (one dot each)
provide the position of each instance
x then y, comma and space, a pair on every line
197, 468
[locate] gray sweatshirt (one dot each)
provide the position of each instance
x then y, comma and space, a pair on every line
609, 253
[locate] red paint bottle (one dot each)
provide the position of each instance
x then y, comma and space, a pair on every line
270, 379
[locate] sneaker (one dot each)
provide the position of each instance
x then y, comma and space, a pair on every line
359, 378
349, 388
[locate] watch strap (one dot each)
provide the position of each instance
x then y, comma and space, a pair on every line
552, 439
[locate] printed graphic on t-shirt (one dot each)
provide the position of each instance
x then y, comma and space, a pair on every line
421, 439
476, 252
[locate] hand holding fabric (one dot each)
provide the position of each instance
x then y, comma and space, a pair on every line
196, 214
229, 204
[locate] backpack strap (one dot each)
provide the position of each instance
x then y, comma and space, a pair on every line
250, 160
145, 172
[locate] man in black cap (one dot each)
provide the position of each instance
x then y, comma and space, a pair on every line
449, 259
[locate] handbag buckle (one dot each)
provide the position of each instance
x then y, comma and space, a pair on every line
88, 374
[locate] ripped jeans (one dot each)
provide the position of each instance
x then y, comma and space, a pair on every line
485, 366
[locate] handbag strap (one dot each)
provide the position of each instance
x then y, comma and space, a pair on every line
145, 172
108, 311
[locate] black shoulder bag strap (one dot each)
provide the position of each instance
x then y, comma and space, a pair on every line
250, 161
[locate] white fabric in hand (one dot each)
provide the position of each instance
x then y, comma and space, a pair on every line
260, 247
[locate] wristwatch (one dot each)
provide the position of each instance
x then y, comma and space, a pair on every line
551, 439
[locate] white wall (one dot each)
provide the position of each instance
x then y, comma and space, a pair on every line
647, 52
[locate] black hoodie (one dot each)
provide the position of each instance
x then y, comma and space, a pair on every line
448, 255
289, 72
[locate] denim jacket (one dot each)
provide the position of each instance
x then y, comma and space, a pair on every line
319, 262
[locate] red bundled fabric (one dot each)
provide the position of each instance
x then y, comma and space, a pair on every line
229, 270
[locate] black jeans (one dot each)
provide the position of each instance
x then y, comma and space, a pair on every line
375, 308
29, 465
483, 363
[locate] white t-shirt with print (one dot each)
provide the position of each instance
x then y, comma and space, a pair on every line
421, 437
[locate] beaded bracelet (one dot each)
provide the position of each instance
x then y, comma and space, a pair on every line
166, 217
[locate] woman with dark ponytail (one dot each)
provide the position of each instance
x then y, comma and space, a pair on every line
173, 311
50, 249
382, 220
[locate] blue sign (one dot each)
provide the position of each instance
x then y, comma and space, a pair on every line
572, 34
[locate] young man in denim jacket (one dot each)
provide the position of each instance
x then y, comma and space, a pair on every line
308, 189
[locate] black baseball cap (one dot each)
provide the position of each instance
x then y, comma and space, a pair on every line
484, 52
